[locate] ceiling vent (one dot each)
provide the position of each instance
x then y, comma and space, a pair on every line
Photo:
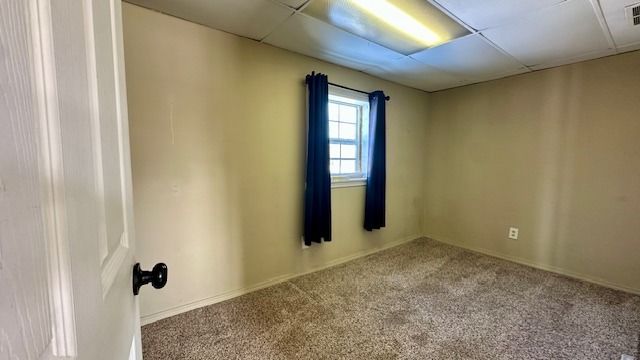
633, 14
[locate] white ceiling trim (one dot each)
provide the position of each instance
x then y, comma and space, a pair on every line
575, 59
629, 47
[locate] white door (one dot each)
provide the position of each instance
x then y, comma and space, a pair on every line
66, 226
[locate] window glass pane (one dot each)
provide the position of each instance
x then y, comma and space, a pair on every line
334, 166
345, 134
333, 111
347, 166
347, 131
334, 150
333, 129
348, 151
348, 114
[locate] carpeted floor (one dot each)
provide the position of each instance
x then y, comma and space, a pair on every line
421, 300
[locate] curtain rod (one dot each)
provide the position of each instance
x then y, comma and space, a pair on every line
348, 88
356, 90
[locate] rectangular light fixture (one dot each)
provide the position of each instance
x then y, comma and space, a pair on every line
399, 20
405, 26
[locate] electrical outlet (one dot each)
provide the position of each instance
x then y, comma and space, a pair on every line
513, 233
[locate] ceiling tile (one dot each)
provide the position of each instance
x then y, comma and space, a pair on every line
484, 14
254, 19
566, 30
308, 36
623, 32
471, 57
296, 4
410, 72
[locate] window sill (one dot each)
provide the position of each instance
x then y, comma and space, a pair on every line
344, 183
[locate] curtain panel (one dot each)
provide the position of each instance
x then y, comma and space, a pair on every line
317, 192
374, 209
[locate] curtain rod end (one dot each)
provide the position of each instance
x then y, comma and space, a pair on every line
387, 98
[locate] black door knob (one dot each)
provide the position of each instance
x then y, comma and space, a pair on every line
157, 277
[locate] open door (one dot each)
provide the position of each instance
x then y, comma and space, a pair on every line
66, 221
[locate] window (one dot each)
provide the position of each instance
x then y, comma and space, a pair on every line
348, 135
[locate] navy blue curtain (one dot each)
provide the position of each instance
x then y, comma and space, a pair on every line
374, 207
317, 192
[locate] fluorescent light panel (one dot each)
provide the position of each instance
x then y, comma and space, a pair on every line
405, 26
399, 20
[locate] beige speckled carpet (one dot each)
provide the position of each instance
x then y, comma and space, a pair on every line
421, 300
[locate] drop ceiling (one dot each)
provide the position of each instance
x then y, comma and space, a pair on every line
503, 37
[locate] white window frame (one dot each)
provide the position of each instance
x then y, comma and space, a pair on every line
348, 97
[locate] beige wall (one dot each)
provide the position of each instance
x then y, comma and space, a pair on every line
217, 133
555, 153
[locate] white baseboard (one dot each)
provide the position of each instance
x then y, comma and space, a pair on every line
148, 319
541, 266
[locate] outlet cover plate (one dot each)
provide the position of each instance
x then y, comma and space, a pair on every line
513, 233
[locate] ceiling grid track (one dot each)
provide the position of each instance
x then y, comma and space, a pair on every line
295, 11
597, 8
597, 11
504, 52
476, 32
